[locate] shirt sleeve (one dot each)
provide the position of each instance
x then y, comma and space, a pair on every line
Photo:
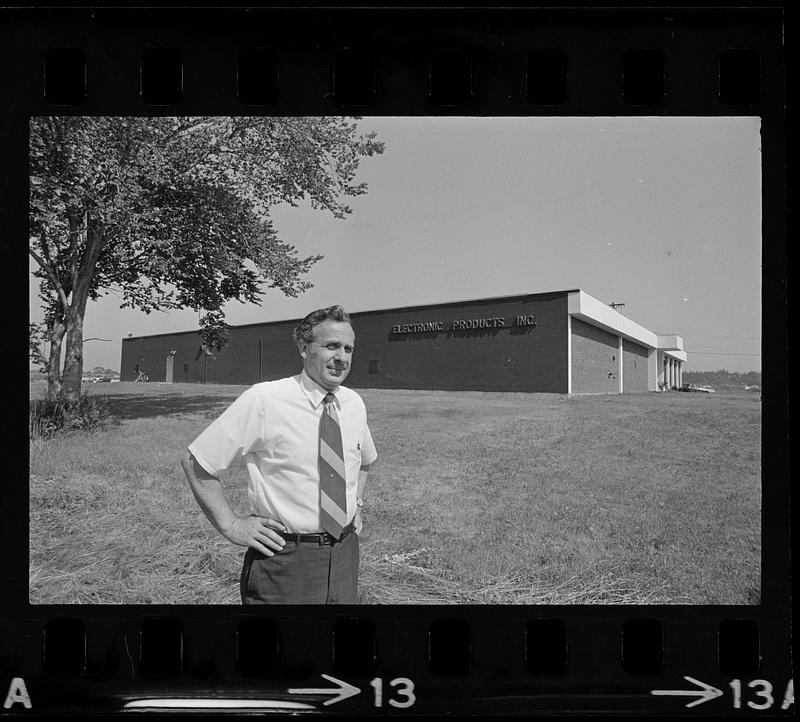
236, 432
368, 451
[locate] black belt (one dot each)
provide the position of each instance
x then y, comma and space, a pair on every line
322, 538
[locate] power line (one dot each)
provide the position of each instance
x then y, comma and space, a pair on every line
720, 353
704, 335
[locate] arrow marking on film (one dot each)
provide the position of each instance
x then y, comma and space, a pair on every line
343, 692
703, 695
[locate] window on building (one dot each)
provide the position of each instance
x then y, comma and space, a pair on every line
375, 366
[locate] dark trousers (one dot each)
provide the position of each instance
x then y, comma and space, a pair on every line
302, 573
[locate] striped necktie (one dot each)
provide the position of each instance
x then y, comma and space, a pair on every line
332, 496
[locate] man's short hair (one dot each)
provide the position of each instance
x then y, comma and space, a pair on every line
305, 331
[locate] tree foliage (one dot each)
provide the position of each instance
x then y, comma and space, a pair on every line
175, 213
723, 378
36, 337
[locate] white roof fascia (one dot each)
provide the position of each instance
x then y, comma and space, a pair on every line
670, 341
586, 308
679, 355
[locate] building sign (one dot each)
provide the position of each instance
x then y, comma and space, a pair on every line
468, 324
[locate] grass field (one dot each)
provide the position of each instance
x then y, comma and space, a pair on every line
476, 498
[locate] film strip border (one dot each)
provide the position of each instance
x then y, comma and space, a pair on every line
530, 664
472, 62
354, 77
395, 62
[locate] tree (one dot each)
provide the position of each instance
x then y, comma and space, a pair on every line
36, 338
174, 213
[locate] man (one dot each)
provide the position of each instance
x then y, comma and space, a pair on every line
308, 449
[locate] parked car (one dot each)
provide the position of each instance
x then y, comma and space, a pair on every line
696, 388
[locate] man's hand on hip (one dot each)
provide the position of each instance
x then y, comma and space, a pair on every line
257, 532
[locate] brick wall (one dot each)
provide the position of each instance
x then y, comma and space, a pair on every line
257, 353
150, 354
652, 370
501, 357
595, 360
634, 367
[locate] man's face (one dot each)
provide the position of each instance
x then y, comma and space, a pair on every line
327, 358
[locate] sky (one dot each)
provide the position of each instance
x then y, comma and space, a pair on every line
661, 214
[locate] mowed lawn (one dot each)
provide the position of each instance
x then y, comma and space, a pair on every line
501, 498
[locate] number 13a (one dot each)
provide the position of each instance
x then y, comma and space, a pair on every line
762, 690
405, 688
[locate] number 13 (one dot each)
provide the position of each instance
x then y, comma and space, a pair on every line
405, 688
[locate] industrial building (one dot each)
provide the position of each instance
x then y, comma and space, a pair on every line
558, 342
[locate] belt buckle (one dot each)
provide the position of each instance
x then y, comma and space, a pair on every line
328, 538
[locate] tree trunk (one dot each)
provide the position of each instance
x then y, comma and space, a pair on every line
54, 361
73, 359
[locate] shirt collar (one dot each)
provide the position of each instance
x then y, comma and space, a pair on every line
314, 392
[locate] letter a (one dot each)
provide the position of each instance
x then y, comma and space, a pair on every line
788, 697
17, 692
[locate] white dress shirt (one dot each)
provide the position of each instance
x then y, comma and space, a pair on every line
275, 426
